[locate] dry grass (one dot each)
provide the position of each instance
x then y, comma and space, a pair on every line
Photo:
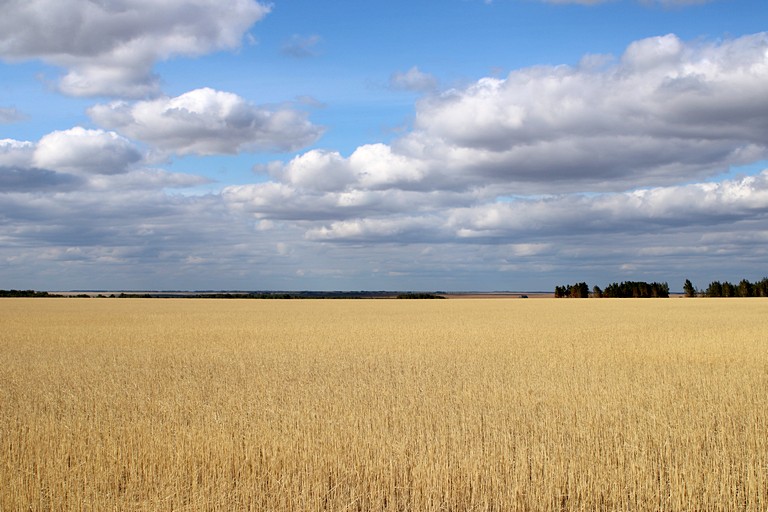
384, 405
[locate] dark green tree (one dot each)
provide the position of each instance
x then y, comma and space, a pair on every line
688, 289
580, 291
574, 291
761, 288
715, 289
745, 289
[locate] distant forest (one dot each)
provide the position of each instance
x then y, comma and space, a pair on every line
726, 289
25, 293
237, 295
626, 289
640, 289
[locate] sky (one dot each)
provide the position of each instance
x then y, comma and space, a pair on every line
452, 145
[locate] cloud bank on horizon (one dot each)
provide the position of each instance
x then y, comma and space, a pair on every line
643, 164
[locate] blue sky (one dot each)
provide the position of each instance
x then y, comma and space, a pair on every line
452, 145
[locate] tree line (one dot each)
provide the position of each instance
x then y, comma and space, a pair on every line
745, 288
240, 295
625, 289
25, 293
641, 289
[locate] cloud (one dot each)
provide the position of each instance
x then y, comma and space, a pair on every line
16, 153
78, 150
206, 122
412, 80
110, 48
660, 209
663, 210
14, 179
80, 159
631, 132
318, 170
105, 237
650, 117
80, 197
665, 112
594, 165
301, 46
10, 115
604, 168
402, 229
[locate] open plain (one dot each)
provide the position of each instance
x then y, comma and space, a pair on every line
464, 404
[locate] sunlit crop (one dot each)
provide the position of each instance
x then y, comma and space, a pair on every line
472, 404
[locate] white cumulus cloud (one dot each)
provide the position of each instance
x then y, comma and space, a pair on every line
110, 48
78, 150
79, 160
665, 112
206, 121
551, 165
16, 153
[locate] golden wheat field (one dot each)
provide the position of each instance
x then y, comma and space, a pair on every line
367, 405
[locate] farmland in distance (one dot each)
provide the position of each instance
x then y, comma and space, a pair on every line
461, 404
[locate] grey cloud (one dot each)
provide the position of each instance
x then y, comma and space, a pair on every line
107, 237
608, 163
279, 201
301, 46
14, 179
89, 217
109, 48
399, 229
206, 121
80, 159
118, 229
146, 179
10, 115
696, 207
413, 80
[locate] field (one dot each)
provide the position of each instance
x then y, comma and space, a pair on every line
461, 404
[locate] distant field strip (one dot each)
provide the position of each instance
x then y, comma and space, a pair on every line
309, 405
